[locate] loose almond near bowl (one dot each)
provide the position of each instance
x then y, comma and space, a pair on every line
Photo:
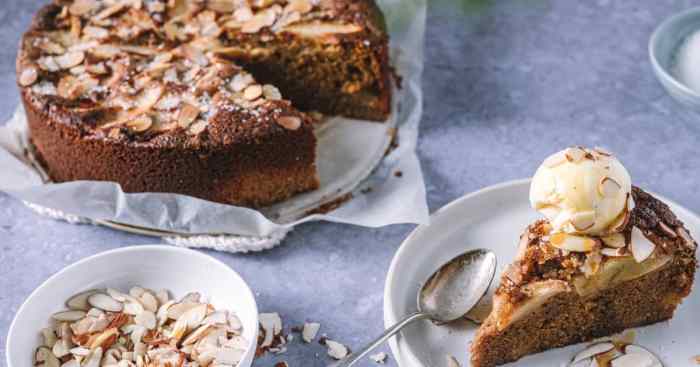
113, 287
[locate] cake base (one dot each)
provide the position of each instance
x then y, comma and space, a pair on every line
568, 318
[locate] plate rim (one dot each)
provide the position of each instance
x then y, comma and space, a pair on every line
388, 303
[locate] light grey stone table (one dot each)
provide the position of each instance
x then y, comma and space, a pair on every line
506, 83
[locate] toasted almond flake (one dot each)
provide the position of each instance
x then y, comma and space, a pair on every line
241, 81
271, 324
93, 360
178, 309
572, 242
96, 32
70, 316
61, 348
301, 6
146, 319
139, 50
82, 7
140, 123
633, 360
49, 337
608, 187
640, 246
28, 76
575, 154
289, 122
149, 301
320, 30
613, 252
252, 92
105, 302
583, 220
619, 224
109, 11
70, 59
79, 301
261, 19
308, 333
271, 92
683, 233
636, 349
48, 63
221, 6
45, 355
133, 307
336, 350
187, 114
592, 351
243, 14
615, 240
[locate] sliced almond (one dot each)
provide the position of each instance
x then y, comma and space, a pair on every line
70, 59
43, 354
149, 301
572, 242
271, 324
640, 246
221, 6
620, 223
336, 350
613, 252
82, 7
253, 92
146, 319
133, 307
178, 309
229, 356
301, 6
162, 314
379, 358
105, 339
80, 300
194, 336
592, 351
260, 20
188, 114
93, 360
636, 349
308, 333
608, 187
686, 237
49, 337
632, 360
575, 154
320, 30
69, 316
140, 123
583, 220
105, 302
271, 92
615, 240
28, 76
289, 122
61, 348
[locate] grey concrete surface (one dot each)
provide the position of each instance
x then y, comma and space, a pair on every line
506, 83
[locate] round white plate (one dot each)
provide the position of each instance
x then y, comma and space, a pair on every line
494, 218
157, 267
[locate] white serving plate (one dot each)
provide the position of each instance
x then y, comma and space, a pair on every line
494, 218
176, 269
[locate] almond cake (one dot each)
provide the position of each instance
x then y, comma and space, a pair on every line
198, 97
608, 257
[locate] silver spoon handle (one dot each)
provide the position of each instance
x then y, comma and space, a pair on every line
354, 357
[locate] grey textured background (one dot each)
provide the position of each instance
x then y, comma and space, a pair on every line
505, 84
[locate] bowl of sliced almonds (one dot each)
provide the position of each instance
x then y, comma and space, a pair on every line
137, 306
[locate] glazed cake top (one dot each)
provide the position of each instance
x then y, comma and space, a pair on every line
161, 71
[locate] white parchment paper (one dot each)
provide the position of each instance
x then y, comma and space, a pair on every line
391, 199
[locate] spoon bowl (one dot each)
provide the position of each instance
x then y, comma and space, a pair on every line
457, 286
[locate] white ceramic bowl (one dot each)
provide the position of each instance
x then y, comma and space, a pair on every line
663, 47
158, 267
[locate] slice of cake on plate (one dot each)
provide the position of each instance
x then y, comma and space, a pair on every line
198, 97
608, 257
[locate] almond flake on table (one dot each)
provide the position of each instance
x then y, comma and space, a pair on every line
336, 350
310, 331
379, 358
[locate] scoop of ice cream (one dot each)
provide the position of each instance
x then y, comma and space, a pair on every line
582, 191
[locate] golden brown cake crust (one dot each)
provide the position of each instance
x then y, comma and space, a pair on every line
151, 94
569, 317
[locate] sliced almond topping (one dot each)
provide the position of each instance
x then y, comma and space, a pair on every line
271, 324
686, 237
608, 187
261, 19
198, 127
96, 32
82, 7
221, 6
575, 154
271, 92
570, 242
615, 240
48, 63
301, 6
583, 220
336, 350
28, 76
252, 92
70, 316
188, 113
70, 59
105, 302
592, 350
241, 81
44, 354
379, 358
308, 333
640, 246
318, 30
619, 224
289, 122
633, 360
140, 123
109, 11
613, 252
146, 319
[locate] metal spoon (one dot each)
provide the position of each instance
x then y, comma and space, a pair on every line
446, 296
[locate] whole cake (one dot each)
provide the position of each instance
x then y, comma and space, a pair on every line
608, 257
198, 97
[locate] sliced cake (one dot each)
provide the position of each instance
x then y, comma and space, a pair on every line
608, 257
196, 97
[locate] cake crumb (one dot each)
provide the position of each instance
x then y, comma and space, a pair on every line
398, 173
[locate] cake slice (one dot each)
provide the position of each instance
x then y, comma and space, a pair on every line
566, 287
